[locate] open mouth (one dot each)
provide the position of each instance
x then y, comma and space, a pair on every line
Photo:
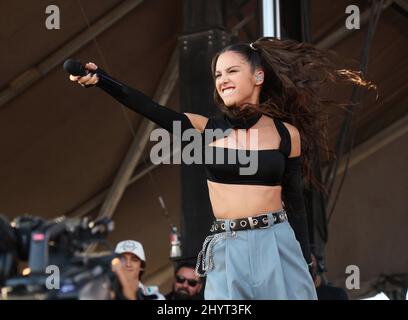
182, 291
228, 91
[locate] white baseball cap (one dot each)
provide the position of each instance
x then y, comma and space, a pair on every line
131, 246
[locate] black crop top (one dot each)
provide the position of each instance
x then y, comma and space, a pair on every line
270, 167
270, 162
275, 166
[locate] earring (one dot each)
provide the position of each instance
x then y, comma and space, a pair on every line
258, 78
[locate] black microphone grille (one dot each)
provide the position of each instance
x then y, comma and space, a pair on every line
74, 67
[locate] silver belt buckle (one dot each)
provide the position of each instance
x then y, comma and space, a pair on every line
251, 222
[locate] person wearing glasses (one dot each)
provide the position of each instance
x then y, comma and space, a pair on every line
187, 284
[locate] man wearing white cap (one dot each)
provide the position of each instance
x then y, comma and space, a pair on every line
129, 270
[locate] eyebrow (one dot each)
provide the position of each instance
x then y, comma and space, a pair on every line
217, 71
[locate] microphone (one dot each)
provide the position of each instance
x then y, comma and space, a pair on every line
76, 68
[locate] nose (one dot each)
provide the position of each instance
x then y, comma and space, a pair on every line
222, 81
184, 286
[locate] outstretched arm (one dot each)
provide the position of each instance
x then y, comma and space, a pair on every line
140, 103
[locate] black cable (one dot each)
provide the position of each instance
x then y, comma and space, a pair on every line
305, 20
306, 37
129, 124
375, 13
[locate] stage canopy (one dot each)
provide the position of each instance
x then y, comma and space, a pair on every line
62, 146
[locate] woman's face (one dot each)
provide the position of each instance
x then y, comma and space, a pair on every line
235, 82
132, 264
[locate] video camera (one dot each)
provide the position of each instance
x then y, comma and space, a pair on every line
60, 265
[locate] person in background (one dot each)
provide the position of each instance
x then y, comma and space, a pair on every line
187, 284
324, 290
129, 268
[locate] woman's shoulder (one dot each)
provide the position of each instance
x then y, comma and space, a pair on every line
294, 139
293, 131
285, 128
217, 122
198, 121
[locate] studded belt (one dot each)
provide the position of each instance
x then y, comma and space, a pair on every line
258, 222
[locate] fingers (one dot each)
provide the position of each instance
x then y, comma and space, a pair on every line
93, 79
84, 80
79, 79
91, 66
90, 79
115, 264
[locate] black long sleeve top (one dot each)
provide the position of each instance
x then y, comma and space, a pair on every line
291, 180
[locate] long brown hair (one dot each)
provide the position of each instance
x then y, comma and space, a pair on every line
294, 75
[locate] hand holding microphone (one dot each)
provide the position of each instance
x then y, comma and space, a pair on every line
84, 75
88, 75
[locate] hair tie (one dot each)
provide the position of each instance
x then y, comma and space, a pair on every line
252, 46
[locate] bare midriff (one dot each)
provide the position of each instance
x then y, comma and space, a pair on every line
232, 201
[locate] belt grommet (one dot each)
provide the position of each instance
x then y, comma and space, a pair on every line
223, 226
232, 225
243, 223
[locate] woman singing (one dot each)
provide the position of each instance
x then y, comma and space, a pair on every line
259, 244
